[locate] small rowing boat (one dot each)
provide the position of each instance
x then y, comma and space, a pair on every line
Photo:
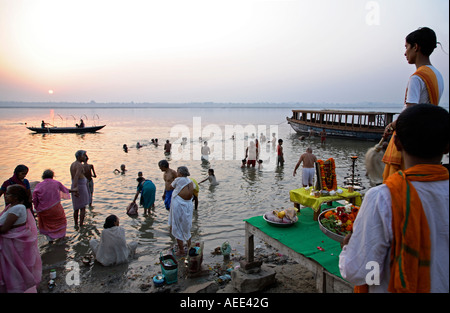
341, 124
59, 130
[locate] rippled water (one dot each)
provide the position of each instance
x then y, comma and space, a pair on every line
242, 193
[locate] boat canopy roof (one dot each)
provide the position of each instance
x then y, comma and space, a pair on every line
342, 112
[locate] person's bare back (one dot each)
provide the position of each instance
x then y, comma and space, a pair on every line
308, 159
169, 176
77, 171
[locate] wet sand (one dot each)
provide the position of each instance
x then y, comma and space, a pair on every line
131, 278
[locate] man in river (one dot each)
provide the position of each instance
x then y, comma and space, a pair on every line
308, 172
79, 184
169, 177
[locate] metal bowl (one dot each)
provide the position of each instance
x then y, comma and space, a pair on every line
328, 233
278, 224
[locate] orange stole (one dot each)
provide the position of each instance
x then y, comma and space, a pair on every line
431, 82
392, 157
411, 246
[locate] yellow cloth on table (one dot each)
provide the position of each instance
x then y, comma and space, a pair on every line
303, 197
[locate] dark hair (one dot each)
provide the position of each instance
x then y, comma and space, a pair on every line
211, 171
163, 163
20, 168
423, 130
425, 38
48, 174
110, 221
79, 154
20, 193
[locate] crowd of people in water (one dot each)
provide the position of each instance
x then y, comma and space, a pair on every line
401, 228
35, 208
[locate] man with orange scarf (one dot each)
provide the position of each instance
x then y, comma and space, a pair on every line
400, 240
426, 85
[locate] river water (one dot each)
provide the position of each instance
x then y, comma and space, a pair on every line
241, 193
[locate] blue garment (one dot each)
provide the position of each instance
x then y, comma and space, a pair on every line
168, 199
148, 193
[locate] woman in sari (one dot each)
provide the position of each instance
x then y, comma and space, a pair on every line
20, 261
181, 208
426, 85
147, 189
47, 203
20, 172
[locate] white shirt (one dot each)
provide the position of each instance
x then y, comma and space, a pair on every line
18, 210
417, 90
372, 236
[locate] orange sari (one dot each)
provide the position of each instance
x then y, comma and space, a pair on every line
52, 222
392, 157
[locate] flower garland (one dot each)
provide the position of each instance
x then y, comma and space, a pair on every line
340, 220
328, 174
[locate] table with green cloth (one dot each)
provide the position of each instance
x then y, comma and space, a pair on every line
303, 196
305, 243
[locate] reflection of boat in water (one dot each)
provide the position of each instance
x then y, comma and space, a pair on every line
77, 130
341, 124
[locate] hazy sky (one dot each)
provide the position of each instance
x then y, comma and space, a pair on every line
339, 51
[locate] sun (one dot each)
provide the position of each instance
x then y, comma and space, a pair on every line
50, 92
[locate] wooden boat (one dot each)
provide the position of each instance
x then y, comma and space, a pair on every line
341, 124
77, 130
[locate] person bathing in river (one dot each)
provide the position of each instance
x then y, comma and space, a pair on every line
181, 208
79, 186
211, 177
169, 176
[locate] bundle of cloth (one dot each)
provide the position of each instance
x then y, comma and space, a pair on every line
286, 216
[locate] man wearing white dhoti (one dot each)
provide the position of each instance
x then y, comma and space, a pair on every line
181, 208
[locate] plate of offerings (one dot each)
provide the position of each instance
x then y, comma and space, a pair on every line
281, 218
338, 222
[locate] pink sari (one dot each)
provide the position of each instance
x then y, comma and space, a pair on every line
20, 260
47, 203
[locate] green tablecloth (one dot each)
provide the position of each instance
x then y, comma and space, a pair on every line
305, 237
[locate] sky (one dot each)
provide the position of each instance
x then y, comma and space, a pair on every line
239, 51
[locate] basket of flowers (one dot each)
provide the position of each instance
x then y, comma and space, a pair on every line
338, 222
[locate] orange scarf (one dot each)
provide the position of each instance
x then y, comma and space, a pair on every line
411, 246
431, 82
392, 157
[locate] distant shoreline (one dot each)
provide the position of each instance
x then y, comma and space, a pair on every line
160, 105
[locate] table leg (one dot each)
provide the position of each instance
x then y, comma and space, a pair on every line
249, 246
316, 214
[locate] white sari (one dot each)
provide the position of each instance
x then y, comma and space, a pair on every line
180, 216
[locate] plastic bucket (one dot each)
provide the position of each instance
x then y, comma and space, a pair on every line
169, 268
